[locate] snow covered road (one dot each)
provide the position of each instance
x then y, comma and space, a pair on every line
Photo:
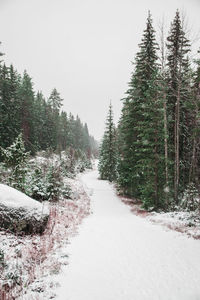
119, 256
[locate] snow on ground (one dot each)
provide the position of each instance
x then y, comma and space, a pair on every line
28, 263
186, 222
120, 256
181, 221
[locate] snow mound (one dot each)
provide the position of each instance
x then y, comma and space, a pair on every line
20, 213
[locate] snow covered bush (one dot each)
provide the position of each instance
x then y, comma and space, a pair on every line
36, 185
83, 162
73, 162
45, 179
54, 181
42, 176
191, 200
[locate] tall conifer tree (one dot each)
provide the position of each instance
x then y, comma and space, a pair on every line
141, 127
178, 96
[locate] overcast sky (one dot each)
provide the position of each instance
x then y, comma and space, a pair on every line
84, 48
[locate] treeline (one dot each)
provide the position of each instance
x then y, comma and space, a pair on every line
41, 121
154, 154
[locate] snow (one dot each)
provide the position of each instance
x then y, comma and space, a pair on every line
120, 256
181, 221
12, 198
35, 259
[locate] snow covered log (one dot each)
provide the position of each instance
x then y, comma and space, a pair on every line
20, 213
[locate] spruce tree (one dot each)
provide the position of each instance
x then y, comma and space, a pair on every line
26, 94
177, 100
5, 108
55, 101
194, 172
108, 150
141, 128
15, 157
54, 104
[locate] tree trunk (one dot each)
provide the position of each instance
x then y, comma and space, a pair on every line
166, 150
176, 137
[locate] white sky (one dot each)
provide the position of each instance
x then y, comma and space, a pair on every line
84, 48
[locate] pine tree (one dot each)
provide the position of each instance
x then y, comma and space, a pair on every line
55, 101
10, 108
194, 172
177, 62
26, 94
5, 108
141, 128
15, 113
163, 96
54, 105
108, 150
40, 122
63, 130
15, 157
128, 180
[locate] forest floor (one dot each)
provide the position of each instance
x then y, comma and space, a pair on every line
121, 255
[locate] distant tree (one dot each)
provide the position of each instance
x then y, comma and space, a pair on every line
108, 150
26, 94
5, 107
55, 101
15, 157
63, 136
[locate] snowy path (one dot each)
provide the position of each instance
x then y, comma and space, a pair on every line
119, 256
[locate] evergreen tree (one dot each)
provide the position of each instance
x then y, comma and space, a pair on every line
26, 94
178, 97
55, 101
141, 128
194, 172
5, 107
63, 130
54, 104
40, 122
9, 105
15, 113
108, 150
15, 157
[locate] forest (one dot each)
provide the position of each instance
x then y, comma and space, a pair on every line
41, 121
153, 155
31, 124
